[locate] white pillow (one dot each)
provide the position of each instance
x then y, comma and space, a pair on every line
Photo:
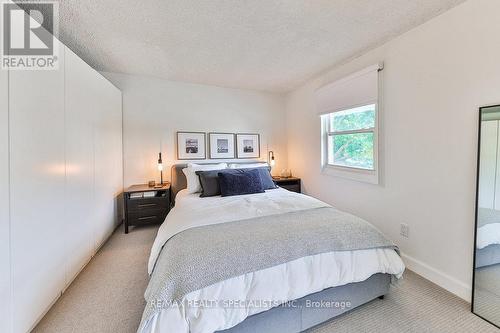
248, 165
193, 181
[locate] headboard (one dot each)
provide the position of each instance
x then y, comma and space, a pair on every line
179, 181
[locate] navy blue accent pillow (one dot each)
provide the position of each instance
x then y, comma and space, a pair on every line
266, 178
240, 181
209, 181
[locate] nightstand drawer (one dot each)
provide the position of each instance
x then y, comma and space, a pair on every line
147, 216
148, 203
291, 187
290, 184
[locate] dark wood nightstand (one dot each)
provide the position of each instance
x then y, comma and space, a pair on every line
290, 183
146, 205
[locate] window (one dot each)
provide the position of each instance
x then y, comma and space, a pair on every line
349, 113
351, 137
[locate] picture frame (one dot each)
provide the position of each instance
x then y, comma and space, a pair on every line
191, 146
221, 145
247, 145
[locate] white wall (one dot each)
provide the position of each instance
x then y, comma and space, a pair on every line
154, 110
435, 78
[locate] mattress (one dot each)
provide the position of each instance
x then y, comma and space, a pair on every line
278, 284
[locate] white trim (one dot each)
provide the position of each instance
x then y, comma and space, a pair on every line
358, 131
445, 281
360, 175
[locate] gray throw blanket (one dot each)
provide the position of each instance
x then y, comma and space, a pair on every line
202, 256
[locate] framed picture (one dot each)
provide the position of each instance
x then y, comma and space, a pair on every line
248, 145
191, 146
221, 145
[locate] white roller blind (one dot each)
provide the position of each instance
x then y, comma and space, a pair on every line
357, 89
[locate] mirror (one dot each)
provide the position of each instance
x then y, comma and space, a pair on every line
486, 279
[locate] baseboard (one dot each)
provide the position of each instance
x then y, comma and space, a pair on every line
438, 277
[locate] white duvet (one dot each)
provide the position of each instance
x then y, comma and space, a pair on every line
255, 292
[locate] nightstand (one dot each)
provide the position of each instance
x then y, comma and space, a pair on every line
146, 205
290, 183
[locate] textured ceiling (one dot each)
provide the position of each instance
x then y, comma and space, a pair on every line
271, 45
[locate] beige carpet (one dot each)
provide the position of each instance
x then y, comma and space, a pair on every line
413, 305
108, 297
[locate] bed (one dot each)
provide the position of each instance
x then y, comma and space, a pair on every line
488, 237
265, 262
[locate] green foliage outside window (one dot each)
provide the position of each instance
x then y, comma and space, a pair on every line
353, 149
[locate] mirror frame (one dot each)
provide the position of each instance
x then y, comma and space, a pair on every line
476, 211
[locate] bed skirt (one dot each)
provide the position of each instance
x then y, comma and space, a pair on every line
308, 311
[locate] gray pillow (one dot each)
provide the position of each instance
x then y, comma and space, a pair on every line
209, 181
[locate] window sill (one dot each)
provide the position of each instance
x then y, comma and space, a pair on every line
360, 175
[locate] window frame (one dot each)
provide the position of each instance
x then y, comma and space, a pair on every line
354, 173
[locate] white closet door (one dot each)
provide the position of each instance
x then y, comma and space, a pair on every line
108, 157
37, 166
5, 301
487, 171
79, 213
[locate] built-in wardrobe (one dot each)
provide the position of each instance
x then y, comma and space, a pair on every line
60, 181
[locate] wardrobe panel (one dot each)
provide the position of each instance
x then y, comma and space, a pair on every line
37, 169
108, 158
79, 212
5, 299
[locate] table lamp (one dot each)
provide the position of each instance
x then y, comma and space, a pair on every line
160, 168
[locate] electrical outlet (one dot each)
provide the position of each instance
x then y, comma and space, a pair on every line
405, 230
